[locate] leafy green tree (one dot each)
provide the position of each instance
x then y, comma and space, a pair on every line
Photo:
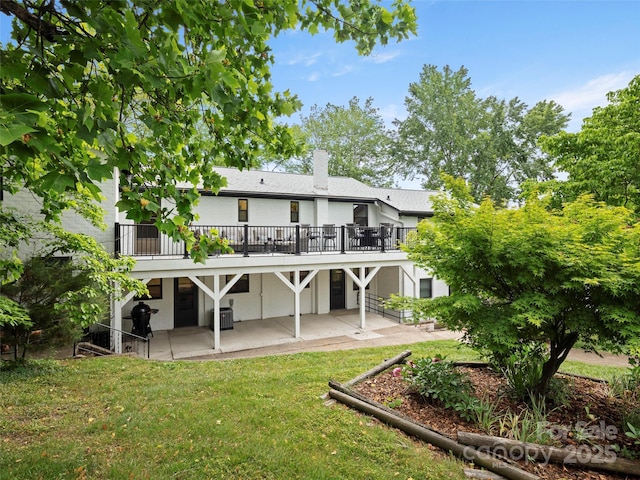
45, 290
12, 316
92, 88
96, 90
491, 143
358, 143
603, 158
106, 275
532, 278
12, 230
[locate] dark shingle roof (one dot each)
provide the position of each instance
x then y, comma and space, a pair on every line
262, 183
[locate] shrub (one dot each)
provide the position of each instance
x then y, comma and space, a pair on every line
439, 382
522, 369
47, 290
627, 386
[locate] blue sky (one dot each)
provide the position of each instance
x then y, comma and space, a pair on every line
573, 52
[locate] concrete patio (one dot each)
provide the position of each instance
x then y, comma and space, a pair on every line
339, 330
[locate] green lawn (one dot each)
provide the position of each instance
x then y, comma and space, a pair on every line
259, 418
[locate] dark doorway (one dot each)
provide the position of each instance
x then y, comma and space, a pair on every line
185, 306
361, 214
147, 238
337, 295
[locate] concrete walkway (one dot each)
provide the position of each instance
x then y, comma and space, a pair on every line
336, 331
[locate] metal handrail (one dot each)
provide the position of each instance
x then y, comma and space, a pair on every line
112, 330
375, 304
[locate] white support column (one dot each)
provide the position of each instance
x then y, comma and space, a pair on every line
299, 287
296, 303
412, 274
363, 310
362, 281
215, 296
116, 325
216, 311
295, 288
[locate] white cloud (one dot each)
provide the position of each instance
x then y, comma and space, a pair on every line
314, 77
305, 60
581, 100
593, 93
381, 57
343, 71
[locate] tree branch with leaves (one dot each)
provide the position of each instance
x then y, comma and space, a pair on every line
79, 75
533, 277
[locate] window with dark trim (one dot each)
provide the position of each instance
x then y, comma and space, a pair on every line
241, 286
155, 290
426, 287
295, 211
243, 210
361, 214
303, 275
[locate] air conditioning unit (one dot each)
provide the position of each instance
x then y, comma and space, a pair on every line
226, 318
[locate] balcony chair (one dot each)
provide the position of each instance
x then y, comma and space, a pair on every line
328, 234
308, 234
387, 234
355, 236
281, 243
372, 237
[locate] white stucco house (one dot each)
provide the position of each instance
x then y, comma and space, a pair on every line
303, 244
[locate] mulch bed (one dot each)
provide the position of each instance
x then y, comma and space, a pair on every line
589, 407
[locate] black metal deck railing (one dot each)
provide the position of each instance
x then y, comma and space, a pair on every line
145, 240
375, 304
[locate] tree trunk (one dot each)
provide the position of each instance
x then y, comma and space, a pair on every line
558, 351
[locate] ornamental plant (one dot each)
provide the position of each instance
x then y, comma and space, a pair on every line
533, 276
439, 382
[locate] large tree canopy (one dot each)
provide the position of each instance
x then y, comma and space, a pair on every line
356, 139
89, 86
604, 157
491, 143
90, 90
532, 276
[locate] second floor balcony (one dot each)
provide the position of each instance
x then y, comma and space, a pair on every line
138, 240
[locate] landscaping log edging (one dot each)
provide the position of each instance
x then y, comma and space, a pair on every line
463, 451
398, 359
567, 456
465, 447
344, 394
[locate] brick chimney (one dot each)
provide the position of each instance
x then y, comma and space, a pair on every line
321, 170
